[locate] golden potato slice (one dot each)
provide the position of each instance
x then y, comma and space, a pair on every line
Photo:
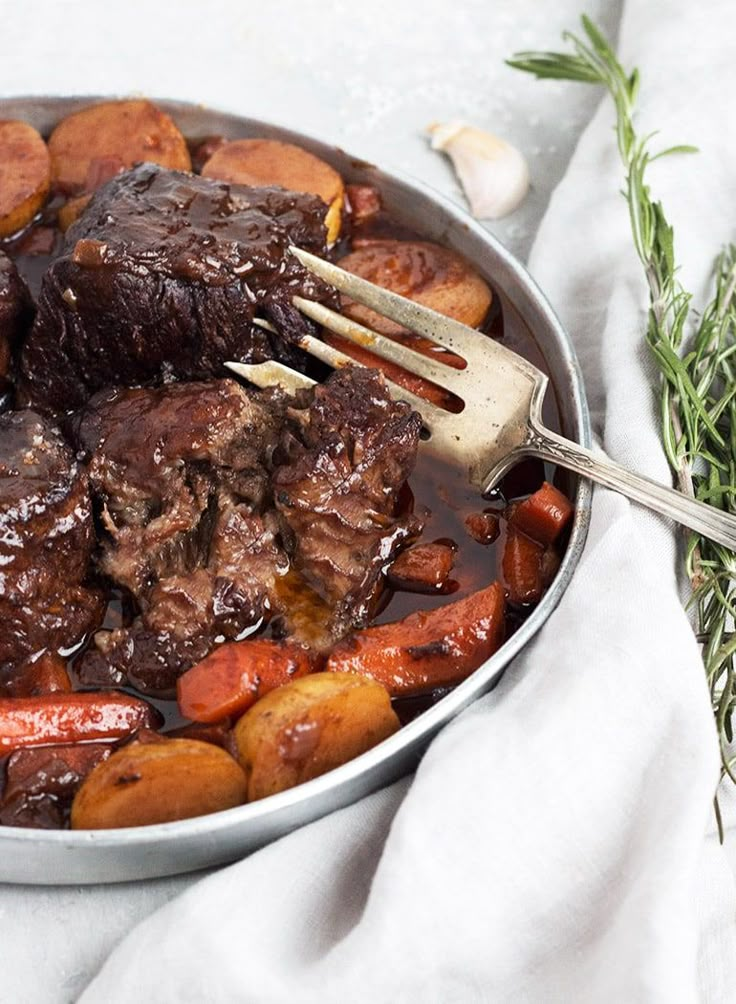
421, 271
310, 726
270, 162
25, 175
125, 131
158, 782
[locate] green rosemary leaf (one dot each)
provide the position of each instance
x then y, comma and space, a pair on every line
564, 68
697, 386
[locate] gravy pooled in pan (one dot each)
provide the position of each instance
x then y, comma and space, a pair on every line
210, 592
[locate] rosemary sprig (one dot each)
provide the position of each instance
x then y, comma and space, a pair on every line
698, 385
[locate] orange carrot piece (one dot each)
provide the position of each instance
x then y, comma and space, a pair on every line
424, 568
427, 649
522, 566
235, 675
409, 381
544, 515
483, 527
69, 718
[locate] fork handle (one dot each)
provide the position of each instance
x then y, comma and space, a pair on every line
711, 522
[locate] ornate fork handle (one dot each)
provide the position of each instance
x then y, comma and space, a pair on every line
712, 523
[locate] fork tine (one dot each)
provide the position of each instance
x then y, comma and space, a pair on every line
338, 360
261, 322
441, 329
380, 345
270, 373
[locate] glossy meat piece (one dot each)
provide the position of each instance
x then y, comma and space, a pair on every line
46, 538
43, 674
164, 461
161, 277
41, 783
16, 311
337, 490
180, 477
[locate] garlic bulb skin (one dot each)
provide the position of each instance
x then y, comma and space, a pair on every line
494, 175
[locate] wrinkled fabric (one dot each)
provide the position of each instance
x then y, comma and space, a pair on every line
556, 843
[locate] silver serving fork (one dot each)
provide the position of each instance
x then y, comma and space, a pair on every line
502, 393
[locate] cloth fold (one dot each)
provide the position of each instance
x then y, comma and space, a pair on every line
553, 844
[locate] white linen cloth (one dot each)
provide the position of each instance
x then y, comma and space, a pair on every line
556, 842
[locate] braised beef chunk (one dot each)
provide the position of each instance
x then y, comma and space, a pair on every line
180, 477
16, 311
337, 490
204, 491
161, 277
41, 783
164, 461
46, 538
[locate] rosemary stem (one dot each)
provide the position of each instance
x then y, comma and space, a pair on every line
698, 386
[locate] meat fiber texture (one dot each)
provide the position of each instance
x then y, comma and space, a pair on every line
161, 278
46, 539
337, 491
208, 494
179, 477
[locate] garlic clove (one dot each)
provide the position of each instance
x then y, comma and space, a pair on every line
494, 175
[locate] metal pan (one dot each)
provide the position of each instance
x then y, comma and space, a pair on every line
63, 857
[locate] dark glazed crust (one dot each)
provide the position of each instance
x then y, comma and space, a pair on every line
16, 311
46, 538
160, 278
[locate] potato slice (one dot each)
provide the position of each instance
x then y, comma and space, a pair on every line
158, 782
422, 271
25, 175
270, 162
310, 726
125, 131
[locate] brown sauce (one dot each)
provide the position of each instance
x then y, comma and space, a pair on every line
437, 491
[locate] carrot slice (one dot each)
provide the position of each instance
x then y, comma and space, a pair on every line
271, 162
409, 381
70, 718
25, 175
119, 132
427, 649
235, 675
424, 568
522, 566
544, 515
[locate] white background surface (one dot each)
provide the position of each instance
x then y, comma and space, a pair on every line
366, 76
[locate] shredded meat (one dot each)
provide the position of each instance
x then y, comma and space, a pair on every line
180, 478
346, 457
